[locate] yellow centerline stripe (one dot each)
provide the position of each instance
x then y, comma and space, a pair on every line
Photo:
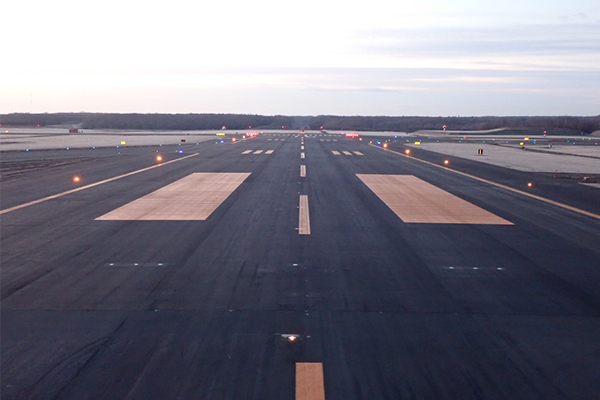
54, 196
533, 196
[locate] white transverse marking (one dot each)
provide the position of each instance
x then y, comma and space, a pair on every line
416, 201
193, 198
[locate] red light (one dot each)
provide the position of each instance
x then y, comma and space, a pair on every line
76, 179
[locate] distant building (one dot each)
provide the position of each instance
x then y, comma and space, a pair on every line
73, 130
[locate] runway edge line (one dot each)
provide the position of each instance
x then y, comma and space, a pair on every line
54, 196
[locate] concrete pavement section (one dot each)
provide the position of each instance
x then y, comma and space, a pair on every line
242, 306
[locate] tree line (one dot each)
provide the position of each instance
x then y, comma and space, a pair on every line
553, 124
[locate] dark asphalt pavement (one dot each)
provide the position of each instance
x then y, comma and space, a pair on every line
196, 309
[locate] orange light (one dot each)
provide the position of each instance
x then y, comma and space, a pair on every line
76, 179
385, 145
407, 151
446, 162
292, 338
529, 184
158, 158
233, 140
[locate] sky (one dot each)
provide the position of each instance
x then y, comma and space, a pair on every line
325, 57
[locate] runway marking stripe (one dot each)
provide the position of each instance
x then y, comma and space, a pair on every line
257, 152
54, 196
416, 201
358, 153
533, 196
337, 153
304, 217
302, 155
193, 198
247, 152
347, 153
269, 151
303, 171
310, 384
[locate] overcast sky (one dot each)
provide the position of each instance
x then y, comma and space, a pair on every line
379, 57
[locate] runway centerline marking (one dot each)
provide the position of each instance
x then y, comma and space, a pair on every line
257, 152
347, 153
533, 196
310, 384
302, 155
304, 217
269, 151
358, 153
54, 196
417, 201
303, 171
337, 153
193, 198
247, 152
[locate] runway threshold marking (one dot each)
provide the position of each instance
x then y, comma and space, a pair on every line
530, 195
347, 153
193, 198
303, 171
337, 153
54, 196
257, 152
303, 217
310, 384
269, 151
247, 152
358, 153
417, 201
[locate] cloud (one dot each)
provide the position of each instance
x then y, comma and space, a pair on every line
543, 45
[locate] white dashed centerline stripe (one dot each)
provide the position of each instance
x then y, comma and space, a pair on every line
31, 203
358, 153
269, 151
304, 217
337, 153
303, 171
347, 153
247, 152
302, 155
301, 147
310, 384
257, 152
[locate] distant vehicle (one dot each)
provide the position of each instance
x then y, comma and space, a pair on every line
352, 135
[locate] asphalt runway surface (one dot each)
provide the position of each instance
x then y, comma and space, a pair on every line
206, 309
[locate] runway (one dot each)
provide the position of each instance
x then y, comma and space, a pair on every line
291, 266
